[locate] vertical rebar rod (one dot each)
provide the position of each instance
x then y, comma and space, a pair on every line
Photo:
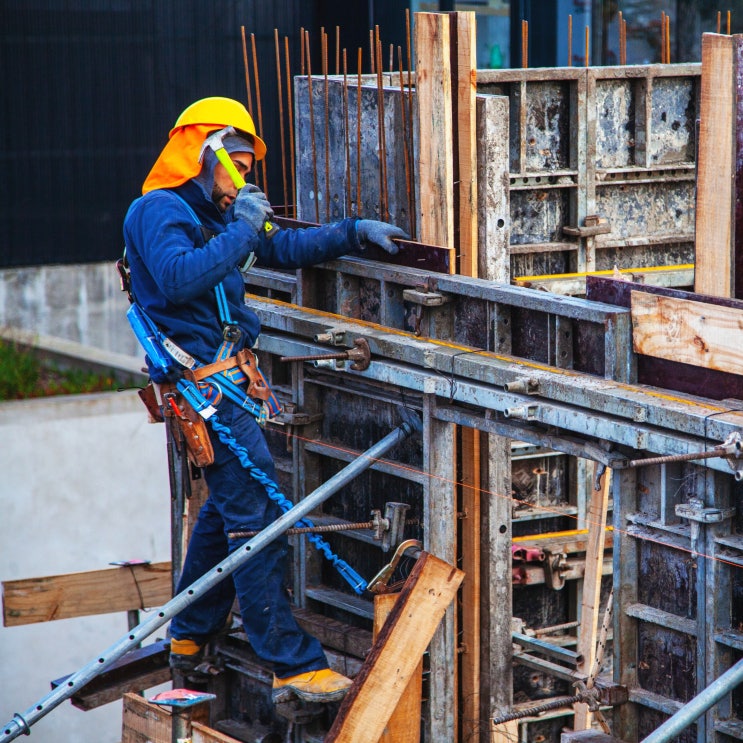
663, 37
570, 40
346, 138
282, 134
358, 133
259, 108
719, 16
301, 51
290, 108
372, 53
622, 39
326, 132
384, 211
588, 46
524, 44
312, 124
337, 50
21, 724
728, 24
247, 71
405, 143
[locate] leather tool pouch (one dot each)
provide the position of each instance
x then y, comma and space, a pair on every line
193, 427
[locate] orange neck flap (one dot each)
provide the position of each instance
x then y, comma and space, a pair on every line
179, 160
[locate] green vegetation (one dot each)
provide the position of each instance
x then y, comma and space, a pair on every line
23, 375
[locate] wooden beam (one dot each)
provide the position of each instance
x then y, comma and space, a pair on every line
435, 151
697, 333
591, 596
464, 107
137, 670
31, 600
383, 678
715, 169
404, 725
464, 74
144, 722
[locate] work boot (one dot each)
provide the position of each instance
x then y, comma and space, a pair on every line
185, 656
314, 686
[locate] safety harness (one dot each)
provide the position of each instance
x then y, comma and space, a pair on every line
202, 386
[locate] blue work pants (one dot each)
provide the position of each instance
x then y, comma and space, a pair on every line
237, 502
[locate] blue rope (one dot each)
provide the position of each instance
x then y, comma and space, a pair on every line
346, 571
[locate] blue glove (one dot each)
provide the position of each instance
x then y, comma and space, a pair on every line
371, 232
253, 207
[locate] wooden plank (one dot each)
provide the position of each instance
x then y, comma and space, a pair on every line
143, 722
435, 150
591, 598
715, 163
687, 331
464, 73
464, 106
670, 375
31, 600
202, 734
383, 678
404, 724
137, 670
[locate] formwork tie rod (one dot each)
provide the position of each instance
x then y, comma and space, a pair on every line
21, 723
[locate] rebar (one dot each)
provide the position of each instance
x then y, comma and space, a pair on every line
538, 709
326, 144
289, 97
358, 133
259, 108
718, 451
282, 135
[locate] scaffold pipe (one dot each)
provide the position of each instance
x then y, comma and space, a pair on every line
697, 706
21, 723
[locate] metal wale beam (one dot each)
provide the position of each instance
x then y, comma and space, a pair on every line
568, 402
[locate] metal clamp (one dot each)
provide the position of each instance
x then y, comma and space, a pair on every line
378, 583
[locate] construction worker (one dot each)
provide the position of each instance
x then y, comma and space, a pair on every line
188, 238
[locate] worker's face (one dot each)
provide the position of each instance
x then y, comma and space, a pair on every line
224, 190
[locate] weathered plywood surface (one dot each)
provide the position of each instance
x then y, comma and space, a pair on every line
150, 723
715, 192
31, 600
691, 332
383, 678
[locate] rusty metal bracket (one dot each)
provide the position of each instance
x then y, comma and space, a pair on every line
555, 566
360, 356
592, 225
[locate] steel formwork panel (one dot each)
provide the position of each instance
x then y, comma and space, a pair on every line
584, 415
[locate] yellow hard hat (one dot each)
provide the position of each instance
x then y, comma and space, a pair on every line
221, 112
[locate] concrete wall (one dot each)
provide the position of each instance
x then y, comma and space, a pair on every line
83, 482
82, 303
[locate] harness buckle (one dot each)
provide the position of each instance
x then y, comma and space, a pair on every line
231, 333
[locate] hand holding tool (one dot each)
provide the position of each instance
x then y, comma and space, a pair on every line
215, 143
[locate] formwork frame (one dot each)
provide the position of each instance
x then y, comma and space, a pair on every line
587, 409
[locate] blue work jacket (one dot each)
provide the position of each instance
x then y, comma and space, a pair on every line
174, 268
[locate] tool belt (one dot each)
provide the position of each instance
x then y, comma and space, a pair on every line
246, 369
193, 427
